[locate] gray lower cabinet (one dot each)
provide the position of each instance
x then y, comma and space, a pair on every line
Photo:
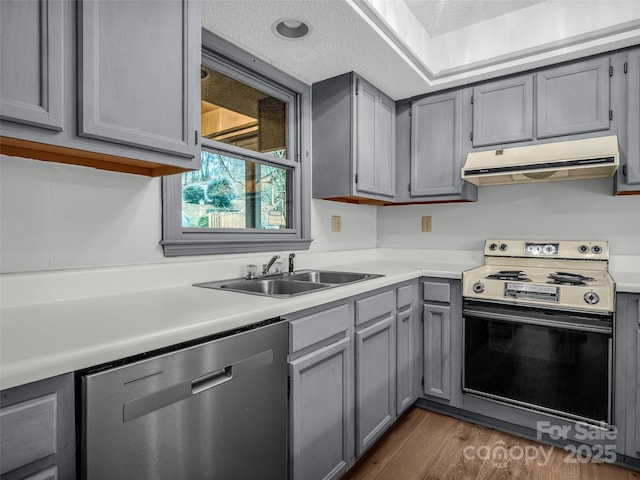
351, 376
111, 85
407, 346
628, 347
37, 431
628, 179
353, 140
442, 341
321, 396
375, 368
573, 99
503, 111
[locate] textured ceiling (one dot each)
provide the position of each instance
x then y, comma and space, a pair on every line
444, 16
412, 47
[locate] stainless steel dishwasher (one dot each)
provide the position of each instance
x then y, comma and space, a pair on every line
214, 410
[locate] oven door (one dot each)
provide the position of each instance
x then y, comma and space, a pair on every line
547, 360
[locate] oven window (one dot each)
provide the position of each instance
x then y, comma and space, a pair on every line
560, 370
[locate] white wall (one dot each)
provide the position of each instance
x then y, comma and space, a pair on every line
55, 216
580, 209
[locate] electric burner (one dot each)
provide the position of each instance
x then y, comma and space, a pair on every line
564, 278
512, 275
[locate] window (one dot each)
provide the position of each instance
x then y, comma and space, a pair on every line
251, 192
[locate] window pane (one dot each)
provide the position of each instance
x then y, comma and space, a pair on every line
232, 193
237, 114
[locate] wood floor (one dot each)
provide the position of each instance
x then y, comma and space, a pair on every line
427, 446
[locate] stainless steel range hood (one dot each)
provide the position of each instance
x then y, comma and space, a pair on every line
572, 160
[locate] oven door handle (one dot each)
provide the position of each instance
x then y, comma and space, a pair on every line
567, 324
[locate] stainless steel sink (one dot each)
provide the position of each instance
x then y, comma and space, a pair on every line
285, 285
319, 276
273, 287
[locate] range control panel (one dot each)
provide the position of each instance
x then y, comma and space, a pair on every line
566, 249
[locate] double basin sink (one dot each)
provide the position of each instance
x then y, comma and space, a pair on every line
286, 285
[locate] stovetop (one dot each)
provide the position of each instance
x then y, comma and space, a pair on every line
559, 274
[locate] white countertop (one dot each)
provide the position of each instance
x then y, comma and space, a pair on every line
47, 338
43, 340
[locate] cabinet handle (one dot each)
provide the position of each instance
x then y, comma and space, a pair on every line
196, 137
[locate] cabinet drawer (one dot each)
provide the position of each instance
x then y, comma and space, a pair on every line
374, 307
404, 296
314, 328
28, 432
436, 292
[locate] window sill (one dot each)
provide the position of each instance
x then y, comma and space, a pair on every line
176, 248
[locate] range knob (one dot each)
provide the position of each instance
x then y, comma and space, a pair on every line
503, 247
591, 298
596, 249
478, 287
583, 249
493, 247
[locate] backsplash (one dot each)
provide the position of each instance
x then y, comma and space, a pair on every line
57, 217
580, 209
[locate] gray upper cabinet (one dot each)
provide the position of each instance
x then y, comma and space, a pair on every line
631, 164
503, 111
37, 430
431, 149
137, 74
31, 76
110, 85
353, 140
436, 133
573, 99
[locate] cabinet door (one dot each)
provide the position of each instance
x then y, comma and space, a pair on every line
503, 111
405, 392
375, 381
385, 164
633, 119
375, 140
437, 351
37, 430
137, 74
31, 62
436, 134
573, 99
321, 413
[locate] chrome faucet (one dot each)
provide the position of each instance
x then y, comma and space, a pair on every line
266, 267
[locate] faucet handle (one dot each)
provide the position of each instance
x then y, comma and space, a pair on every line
291, 257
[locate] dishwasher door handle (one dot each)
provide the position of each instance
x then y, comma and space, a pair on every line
211, 380
149, 403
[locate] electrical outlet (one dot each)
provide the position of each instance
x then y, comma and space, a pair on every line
426, 223
336, 223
